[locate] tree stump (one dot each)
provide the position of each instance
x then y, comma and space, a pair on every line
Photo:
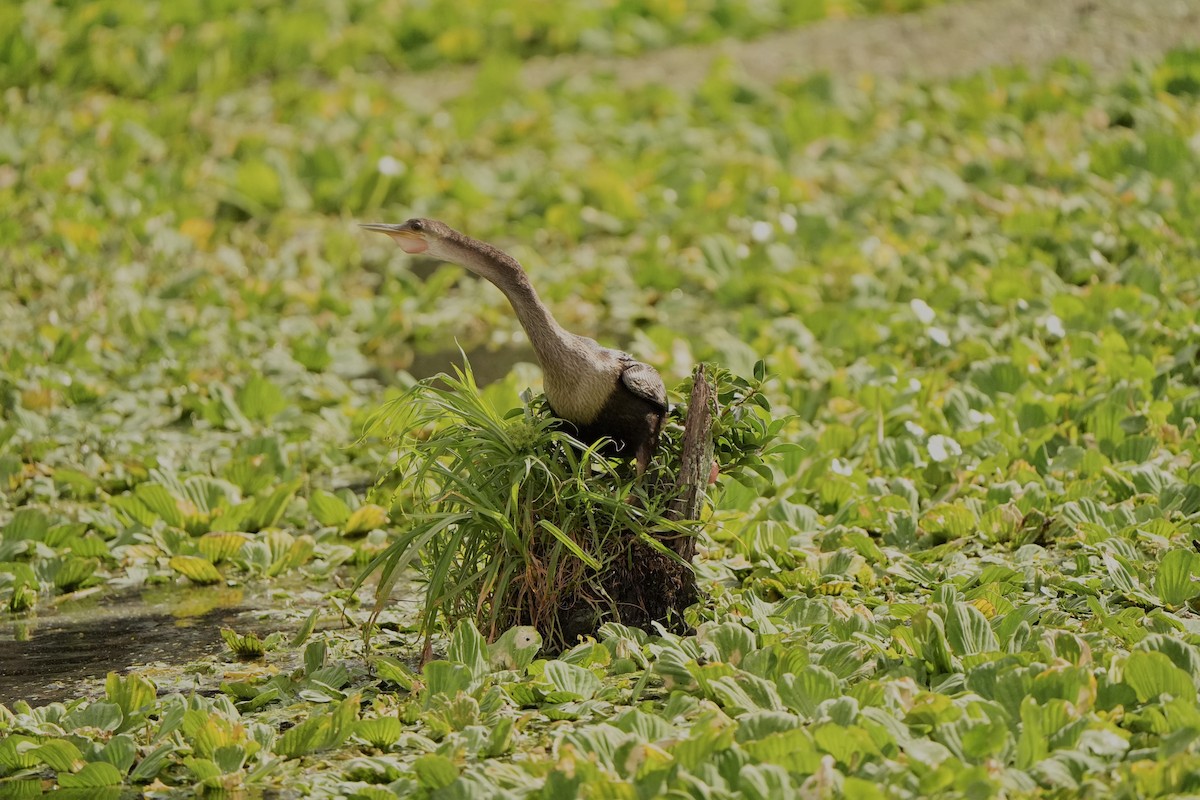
696, 458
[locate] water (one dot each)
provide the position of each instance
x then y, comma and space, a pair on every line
66, 652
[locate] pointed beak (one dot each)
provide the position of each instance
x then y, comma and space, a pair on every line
409, 240
383, 227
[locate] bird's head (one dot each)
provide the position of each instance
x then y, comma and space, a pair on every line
427, 236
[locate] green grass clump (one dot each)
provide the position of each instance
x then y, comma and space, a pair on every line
512, 521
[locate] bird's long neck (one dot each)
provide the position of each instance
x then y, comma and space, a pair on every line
550, 342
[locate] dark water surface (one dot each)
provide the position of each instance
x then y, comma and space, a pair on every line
45, 657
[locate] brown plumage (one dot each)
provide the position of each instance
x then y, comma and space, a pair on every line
600, 391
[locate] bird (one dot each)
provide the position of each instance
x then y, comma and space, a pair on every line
603, 393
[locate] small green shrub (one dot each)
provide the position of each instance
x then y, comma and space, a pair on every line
512, 521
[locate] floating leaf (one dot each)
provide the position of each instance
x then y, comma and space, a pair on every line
159, 499
27, 523
306, 628
96, 775
132, 693
1173, 580
74, 573
152, 764
1152, 674
121, 751
195, 569
266, 511
260, 399
500, 740
243, 645
394, 672
379, 731
969, 632
794, 750
468, 648
365, 519
329, 509
218, 547
731, 641
319, 732
59, 755
435, 771
445, 678
571, 682
99, 715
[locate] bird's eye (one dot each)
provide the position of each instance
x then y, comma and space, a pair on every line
417, 225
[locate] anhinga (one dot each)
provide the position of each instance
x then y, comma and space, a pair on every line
600, 391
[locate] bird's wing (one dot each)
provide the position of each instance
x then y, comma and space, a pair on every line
645, 382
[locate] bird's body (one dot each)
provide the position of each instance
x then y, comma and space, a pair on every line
600, 391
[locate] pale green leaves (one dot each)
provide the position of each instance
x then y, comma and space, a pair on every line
515, 649
1153, 675
320, 732
1175, 580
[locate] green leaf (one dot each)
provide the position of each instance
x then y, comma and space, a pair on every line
206, 770
394, 671
260, 399
243, 645
73, 573
99, 715
221, 546
95, 775
287, 551
229, 758
1173, 580
969, 632
15, 752
794, 750
381, 732
1152, 674
121, 751
445, 678
500, 739
306, 628
307, 737
158, 499
58, 754
257, 187
805, 691
731, 641
569, 543
150, 766
196, 569
329, 509
27, 523
571, 682
468, 647
931, 637
266, 511
435, 771
365, 519
315, 655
